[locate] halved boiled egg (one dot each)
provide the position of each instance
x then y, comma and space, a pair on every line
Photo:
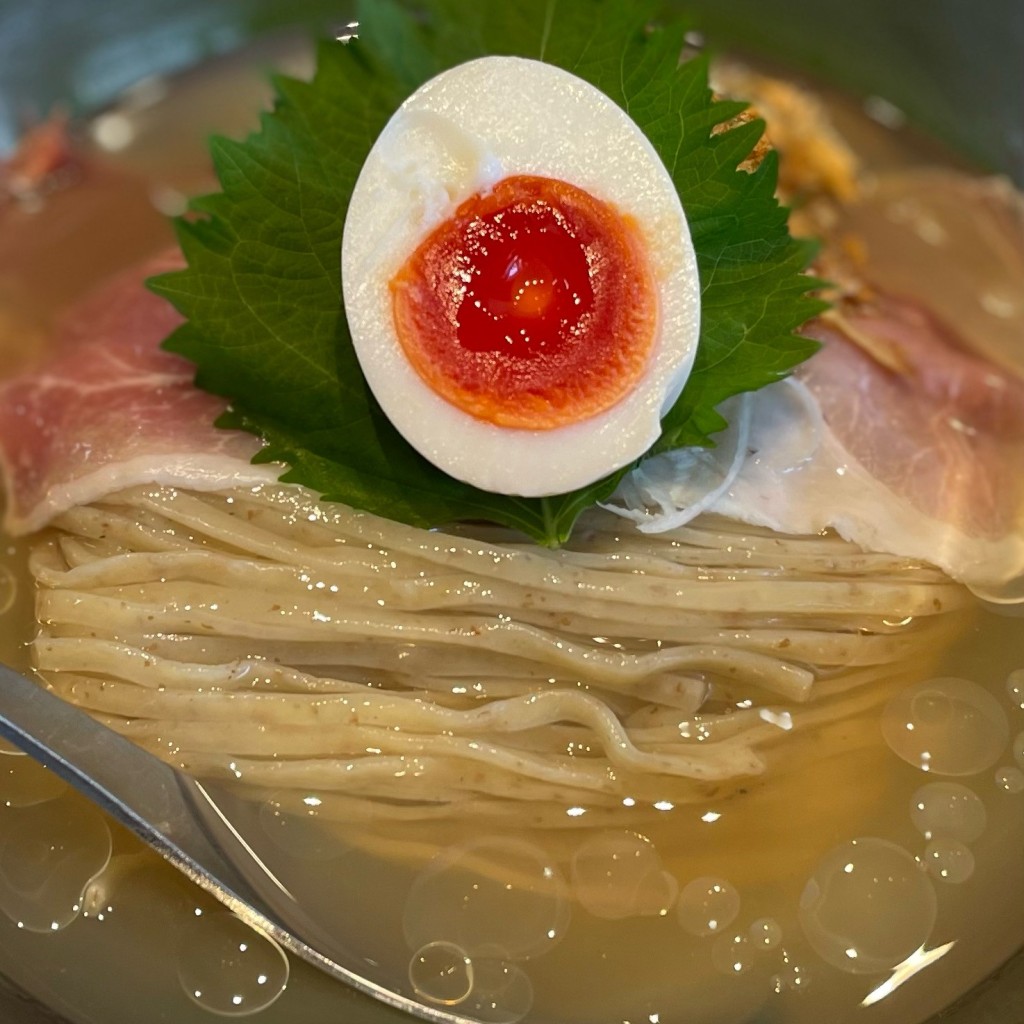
519, 279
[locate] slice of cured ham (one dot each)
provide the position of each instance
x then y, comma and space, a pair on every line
111, 409
893, 435
939, 427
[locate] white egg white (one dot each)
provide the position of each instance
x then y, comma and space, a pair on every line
456, 136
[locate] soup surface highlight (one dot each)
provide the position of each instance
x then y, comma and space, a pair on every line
846, 841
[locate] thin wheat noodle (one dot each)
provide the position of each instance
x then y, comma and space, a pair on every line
259, 634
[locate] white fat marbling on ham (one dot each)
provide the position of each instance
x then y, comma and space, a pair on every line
919, 457
111, 409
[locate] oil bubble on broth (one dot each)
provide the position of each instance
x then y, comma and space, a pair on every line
227, 968
50, 851
949, 860
948, 810
946, 726
707, 906
617, 875
867, 907
517, 910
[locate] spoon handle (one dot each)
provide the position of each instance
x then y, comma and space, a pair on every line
177, 817
131, 785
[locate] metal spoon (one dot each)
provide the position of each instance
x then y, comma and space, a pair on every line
177, 816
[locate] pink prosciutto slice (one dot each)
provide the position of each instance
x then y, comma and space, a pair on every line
111, 409
935, 424
893, 435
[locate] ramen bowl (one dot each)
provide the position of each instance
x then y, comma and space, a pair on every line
119, 68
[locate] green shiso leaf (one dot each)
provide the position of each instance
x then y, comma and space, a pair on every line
262, 293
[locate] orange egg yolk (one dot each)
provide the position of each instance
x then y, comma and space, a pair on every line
533, 306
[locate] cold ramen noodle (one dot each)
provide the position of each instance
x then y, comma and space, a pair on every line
749, 742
